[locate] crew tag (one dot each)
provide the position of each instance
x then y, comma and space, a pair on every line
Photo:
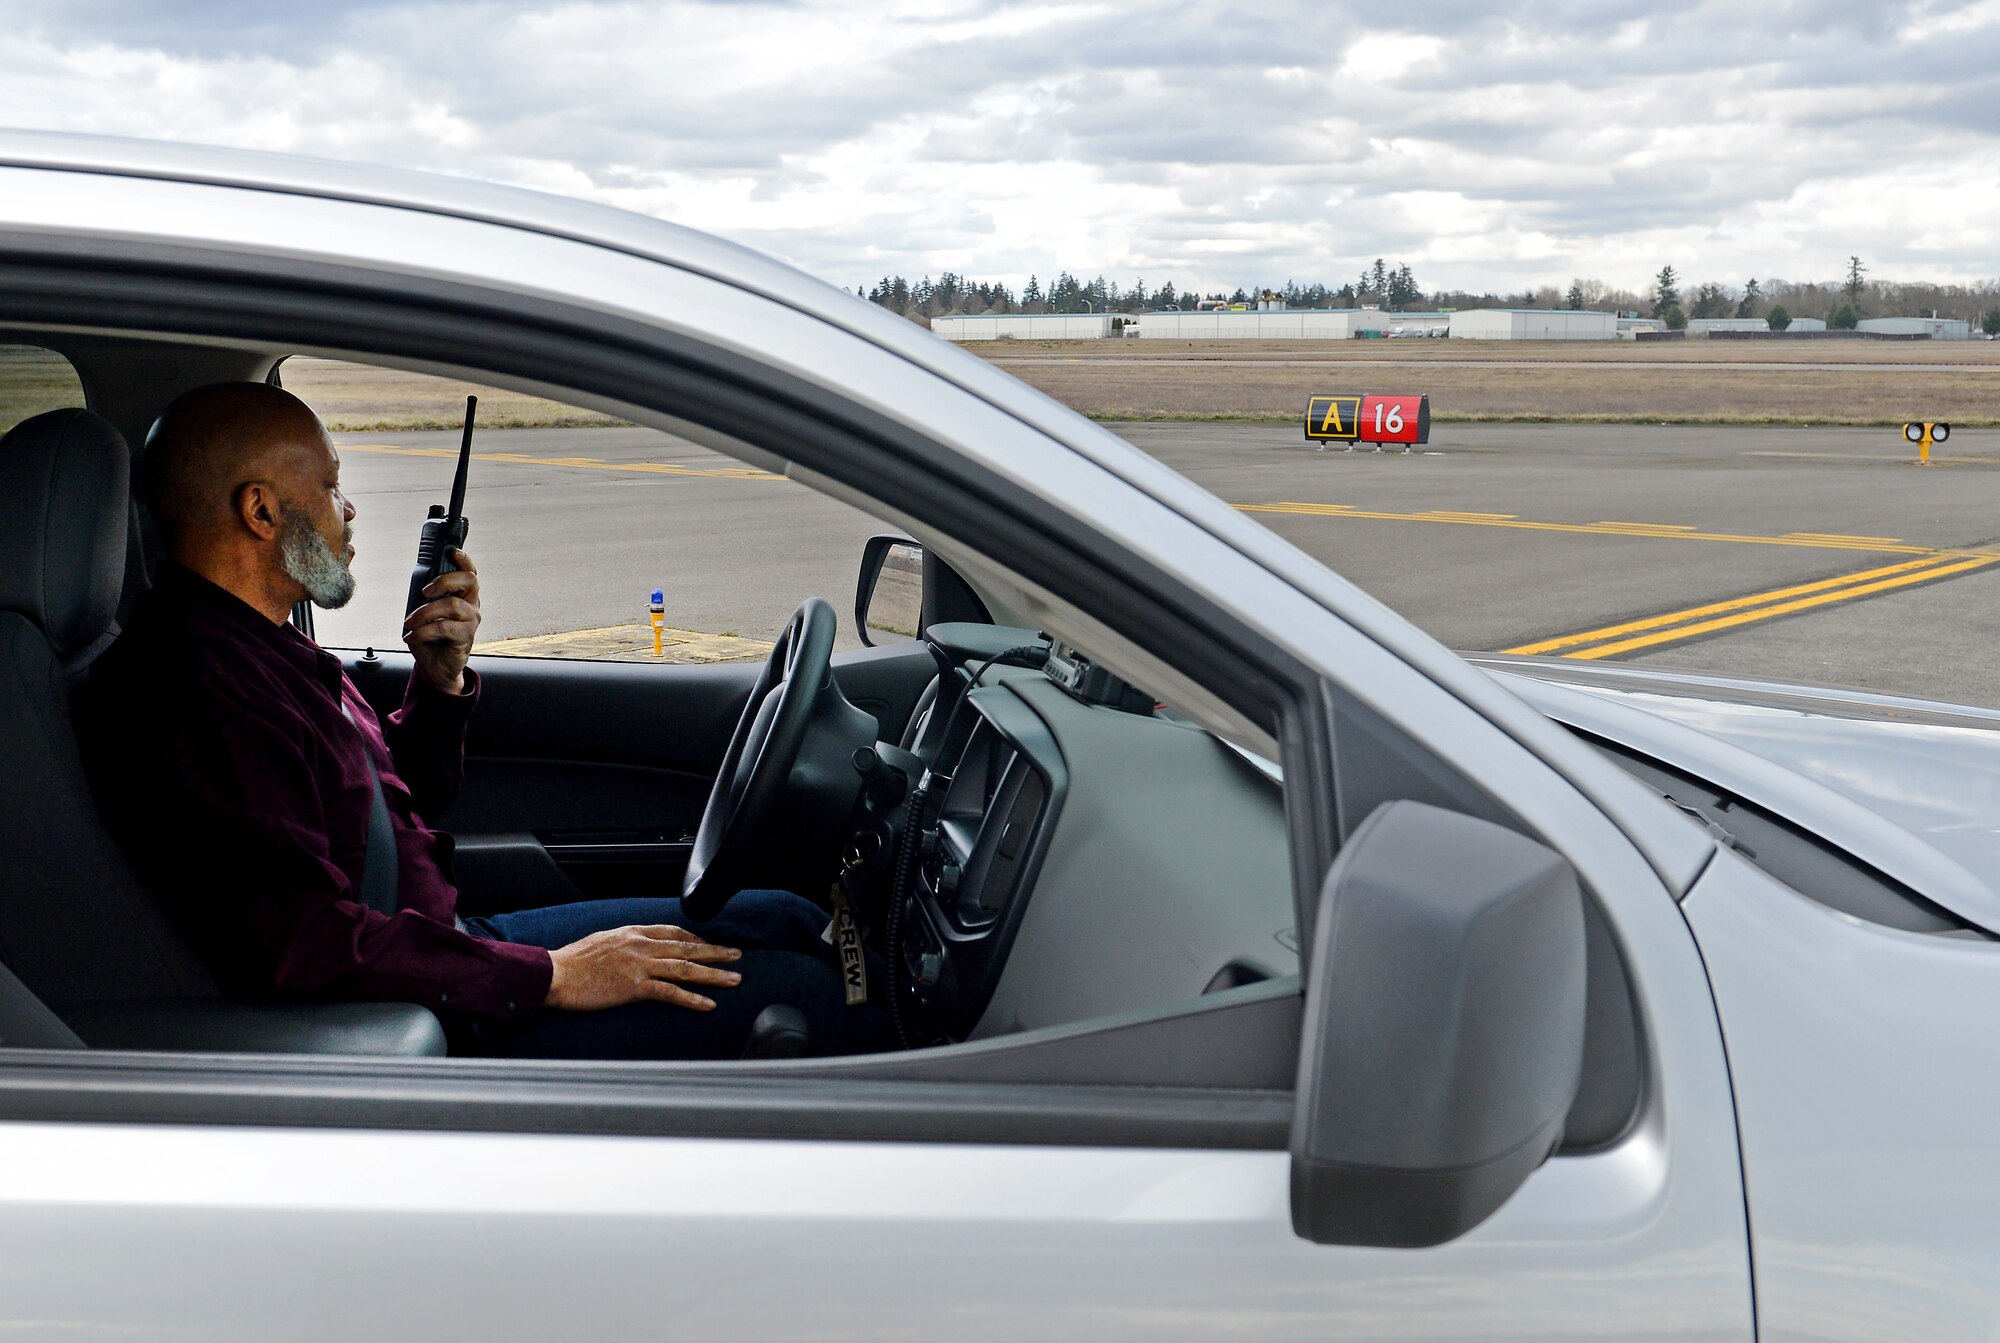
844, 934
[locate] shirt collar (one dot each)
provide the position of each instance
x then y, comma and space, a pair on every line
184, 586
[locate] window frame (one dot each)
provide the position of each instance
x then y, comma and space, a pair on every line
258, 301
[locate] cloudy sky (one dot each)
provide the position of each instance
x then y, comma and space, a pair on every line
1495, 145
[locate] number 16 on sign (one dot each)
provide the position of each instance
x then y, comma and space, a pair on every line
1396, 419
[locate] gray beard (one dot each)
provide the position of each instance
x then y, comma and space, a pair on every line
311, 563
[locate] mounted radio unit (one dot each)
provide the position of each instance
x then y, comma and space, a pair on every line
1073, 671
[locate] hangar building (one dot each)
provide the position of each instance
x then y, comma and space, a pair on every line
1533, 324
1025, 326
1281, 324
1937, 328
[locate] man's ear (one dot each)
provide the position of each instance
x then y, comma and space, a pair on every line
258, 509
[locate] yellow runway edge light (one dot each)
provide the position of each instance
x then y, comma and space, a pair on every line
657, 609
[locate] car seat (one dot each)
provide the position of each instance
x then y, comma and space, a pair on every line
77, 928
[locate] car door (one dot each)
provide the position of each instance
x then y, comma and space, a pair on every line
588, 779
1081, 1181
987, 1194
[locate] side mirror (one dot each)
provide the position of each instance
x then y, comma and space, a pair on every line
1443, 1035
889, 600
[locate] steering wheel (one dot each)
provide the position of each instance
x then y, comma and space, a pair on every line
794, 710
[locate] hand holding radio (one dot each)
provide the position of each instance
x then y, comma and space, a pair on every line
443, 606
440, 633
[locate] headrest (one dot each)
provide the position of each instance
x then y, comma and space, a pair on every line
65, 499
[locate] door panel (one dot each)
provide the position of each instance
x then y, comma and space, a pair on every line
587, 779
235, 1235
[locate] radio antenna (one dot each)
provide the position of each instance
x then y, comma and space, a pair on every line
464, 460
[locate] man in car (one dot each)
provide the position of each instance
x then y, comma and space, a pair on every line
248, 779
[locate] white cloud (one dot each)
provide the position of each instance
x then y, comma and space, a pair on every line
1199, 140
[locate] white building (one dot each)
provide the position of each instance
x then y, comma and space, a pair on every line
1025, 326
1807, 324
1937, 328
1533, 324
1284, 324
1701, 326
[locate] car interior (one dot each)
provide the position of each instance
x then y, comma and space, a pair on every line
1039, 850
943, 779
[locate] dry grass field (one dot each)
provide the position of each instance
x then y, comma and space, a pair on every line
1854, 382
1968, 353
355, 398
32, 381
1682, 382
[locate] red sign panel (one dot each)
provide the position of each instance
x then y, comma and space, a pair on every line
1395, 419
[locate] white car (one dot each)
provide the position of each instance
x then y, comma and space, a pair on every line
1353, 996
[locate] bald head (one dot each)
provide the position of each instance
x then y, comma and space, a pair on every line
213, 440
245, 484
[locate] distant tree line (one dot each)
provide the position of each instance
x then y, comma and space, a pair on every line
1381, 284
1839, 304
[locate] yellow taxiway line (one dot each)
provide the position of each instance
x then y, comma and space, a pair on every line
579, 463
1928, 565
1658, 531
1674, 626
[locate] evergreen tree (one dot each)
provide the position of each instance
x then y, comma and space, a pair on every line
1666, 292
1854, 283
1779, 318
1575, 296
1844, 318
1990, 323
1166, 297
1378, 278
1709, 301
1752, 295
1403, 292
1032, 293
1675, 319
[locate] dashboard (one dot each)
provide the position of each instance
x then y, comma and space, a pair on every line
1087, 853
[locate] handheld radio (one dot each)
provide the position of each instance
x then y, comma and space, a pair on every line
445, 528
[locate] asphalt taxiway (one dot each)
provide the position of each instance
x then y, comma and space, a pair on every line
1822, 555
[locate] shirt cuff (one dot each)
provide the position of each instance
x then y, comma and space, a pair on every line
431, 704
515, 987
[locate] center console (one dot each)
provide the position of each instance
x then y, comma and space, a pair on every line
978, 859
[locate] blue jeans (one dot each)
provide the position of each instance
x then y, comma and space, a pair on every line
784, 961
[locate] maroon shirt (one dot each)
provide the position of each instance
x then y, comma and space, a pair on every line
224, 764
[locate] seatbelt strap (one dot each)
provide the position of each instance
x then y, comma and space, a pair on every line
378, 862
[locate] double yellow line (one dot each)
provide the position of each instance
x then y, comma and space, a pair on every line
1674, 626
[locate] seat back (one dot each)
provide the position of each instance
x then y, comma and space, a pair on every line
76, 926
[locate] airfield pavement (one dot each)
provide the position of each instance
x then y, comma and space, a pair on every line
1820, 555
